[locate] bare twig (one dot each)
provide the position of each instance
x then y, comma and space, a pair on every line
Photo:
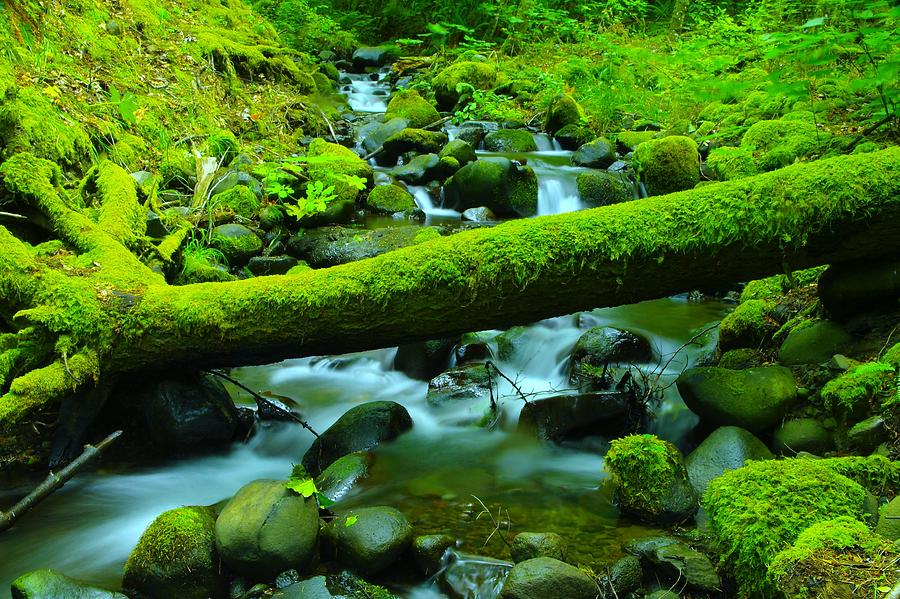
491, 366
495, 521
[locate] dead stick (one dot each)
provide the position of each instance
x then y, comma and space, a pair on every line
54, 481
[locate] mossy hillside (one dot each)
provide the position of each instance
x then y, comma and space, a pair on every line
834, 558
759, 510
644, 468
853, 392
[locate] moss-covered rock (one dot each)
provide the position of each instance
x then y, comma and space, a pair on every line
729, 163
418, 141
802, 434
408, 104
47, 584
851, 393
759, 510
460, 150
823, 562
607, 346
480, 75
389, 199
239, 199
667, 165
505, 188
599, 153
428, 552
813, 343
572, 137
369, 539
510, 140
741, 359
563, 110
331, 163
755, 399
544, 577
529, 545
177, 557
424, 169
748, 325
266, 529
776, 144
727, 448
236, 242
875, 473
599, 188
889, 520
222, 144
630, 140
650, 479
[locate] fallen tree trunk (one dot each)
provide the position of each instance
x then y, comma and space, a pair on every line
102, 314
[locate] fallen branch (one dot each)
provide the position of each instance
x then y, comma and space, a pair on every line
54, 481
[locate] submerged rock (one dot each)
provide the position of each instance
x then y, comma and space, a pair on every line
498, 184
266, 529
360, 429
369, 539
727, 448
529, 545
544, 577
47, 584
677, 561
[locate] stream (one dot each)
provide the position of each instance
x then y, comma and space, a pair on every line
433, 473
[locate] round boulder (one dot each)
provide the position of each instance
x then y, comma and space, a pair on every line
600, 188
369, 539
563, 110
460, 150
507, 189
446, 84
727, 448
266, 529
510, 140
544, 577
889, 520
599, 153
599, 346
529, 545
801, 434
47, 584
236, 242
408, 104
668, 165
813, 344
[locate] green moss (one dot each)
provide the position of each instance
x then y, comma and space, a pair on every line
731, 163
776, 144
853, 391
408, 104
758, 510
510, 140
121, 216
597, 188
632, 139
129, 152
668, 165
875, 473
644, 468
389, 199
740, 359
892, 356
299, 269
833, 558
332, 163
222, 144
480, 75
426, 234
748, 325
419, 141
774, 286
563, 110
240, 199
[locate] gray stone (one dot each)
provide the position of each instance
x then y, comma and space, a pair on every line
813, 344
313, 588
369, 539
266, 529
727, 448
573, 416
865, 436
47, 584
420, 170
376, 134
271, 265
544, 577
461, 383
361, 428
755, 399
480, 214
600, 153
529, 545
801, 434
429, 550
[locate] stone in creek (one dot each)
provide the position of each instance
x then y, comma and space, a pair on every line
504, 187
599, 346
361, 428
429, 550
424, 360
529, 545
544, 577
676, 561
510, 140
625, 576
574, 416
481, 214
600, 153
373, 56
47, 584
460, 150
368, 540
727, 448
343, 475
271, 265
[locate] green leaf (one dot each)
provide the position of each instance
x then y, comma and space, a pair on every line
305, 487
813, 23
323, 499
350, 521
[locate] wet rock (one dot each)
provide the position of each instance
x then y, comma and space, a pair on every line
418, 141
446, 84
262, 266
330, 246
369, 539
424, 360
607, 345
668, 165
625, 576
574, 416
754, 399
749, 325
572, 137
286, 579
480, 214
312, 588
176, 557
266, 529
236, 242
461, 383
472, 135
813, 344
529, 545
727, 448
408, 104
390, 199
502, 186
235, 178
421, 170
563, 110
361, 428
187, 412
801, 434
867, 435
599, 188
341, 586
343, 474
510, 140
544, 577
270, 217
337, 212
379, 133
429, 550
849, 289
677, 561
373, 56
47, 584
741, 359
599, 153
460, 150
889, 520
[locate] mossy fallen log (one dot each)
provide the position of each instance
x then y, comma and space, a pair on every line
106, 314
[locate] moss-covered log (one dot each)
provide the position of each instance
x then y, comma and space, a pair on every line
103, 313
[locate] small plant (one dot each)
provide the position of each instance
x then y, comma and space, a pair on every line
316, 200
126, 104
304, 485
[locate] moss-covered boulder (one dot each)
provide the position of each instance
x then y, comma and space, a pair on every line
875, 473
390, 199
572, 137
330, 246
748, 325
47, 584
824, 562
376, 134
668, 165
889, 520
850, 394
360, 429
506, 188
236, 242
599, 153
727, 448
510, 140
865, 436
650, 479
544, 577
754, 399
418, 141
177, 557
599, 188
239, 199
801, 434
741, 359
266, 529
813, 343
529, 545
447, 92
374, 56
776, 144
601, 346
759, 510
408, 104
563, 110
423, 169
630, 140
676, 563
368, 539
460, 150
332, 163
460, 383
729, 163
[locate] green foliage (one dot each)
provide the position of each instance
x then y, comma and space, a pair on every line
486, 106
318, 195
301, 483
643, 468
306, 26
126, 104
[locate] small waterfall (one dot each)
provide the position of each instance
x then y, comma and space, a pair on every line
365, 93
557, 194
545, 143
426, 204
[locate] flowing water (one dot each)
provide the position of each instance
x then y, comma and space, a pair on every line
440, 474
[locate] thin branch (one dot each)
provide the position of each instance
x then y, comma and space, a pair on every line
491, 366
